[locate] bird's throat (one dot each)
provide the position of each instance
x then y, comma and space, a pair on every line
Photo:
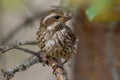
55, 26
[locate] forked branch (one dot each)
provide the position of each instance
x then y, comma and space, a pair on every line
38, 57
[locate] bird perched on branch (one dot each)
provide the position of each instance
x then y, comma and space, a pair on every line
54, 37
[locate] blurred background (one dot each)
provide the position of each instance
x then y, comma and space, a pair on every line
95, 22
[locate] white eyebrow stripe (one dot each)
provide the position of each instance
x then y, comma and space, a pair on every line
53, 14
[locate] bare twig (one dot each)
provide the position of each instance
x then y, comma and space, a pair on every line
40, 56
27, 50
22, 67
58, 69
16, 45
27, 42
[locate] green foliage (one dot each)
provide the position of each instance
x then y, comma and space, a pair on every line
99, 7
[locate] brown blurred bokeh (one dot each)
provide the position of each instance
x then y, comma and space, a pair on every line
98, 51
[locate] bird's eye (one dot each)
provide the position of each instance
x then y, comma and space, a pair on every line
57, 17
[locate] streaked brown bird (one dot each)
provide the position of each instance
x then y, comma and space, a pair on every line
55, 38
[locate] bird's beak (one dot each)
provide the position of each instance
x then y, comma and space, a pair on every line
66, 18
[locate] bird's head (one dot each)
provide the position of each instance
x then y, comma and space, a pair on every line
55, 17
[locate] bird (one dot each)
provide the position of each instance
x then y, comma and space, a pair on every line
54, 37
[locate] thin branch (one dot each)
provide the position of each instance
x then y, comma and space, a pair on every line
22, 67
16, 45
27, 50
58, 70
26, 43
40, 56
